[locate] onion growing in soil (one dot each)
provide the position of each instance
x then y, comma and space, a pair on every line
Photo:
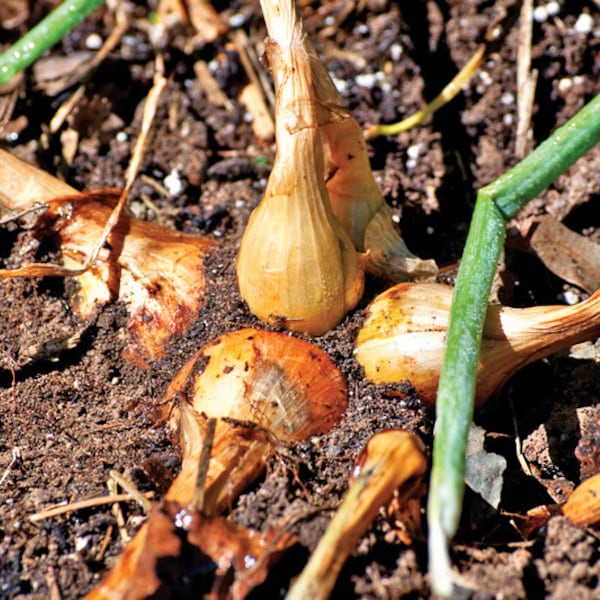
404, 335
275, 387
297, 267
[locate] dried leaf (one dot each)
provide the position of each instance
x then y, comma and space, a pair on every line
534, 519
567, 254
157, 272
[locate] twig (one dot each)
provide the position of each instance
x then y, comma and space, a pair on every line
55, 511
16, 455
104, 544
130, 488
496, 203
111, 484
526, 79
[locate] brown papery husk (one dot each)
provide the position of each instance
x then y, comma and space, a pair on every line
157, 272
359, 206
297, 267
404, 337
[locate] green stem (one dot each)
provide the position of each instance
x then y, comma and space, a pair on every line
43, 36
496, 202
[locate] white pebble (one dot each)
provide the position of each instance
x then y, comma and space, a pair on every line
508, 119
553, 8
122, 136
565, 84
396, 52
81, 543
93, 42
237, 20
173, 183
366, 80
341, 85
485, 78
584, 23
540, 14
570, 297
507, 99
416, 150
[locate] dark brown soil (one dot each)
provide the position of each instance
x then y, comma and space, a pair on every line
68, 419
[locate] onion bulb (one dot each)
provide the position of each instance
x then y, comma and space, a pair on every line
297, 267
404, 337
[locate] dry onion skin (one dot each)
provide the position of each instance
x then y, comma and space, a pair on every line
297, 267
404, 334
359, 206
156, 271
287, 387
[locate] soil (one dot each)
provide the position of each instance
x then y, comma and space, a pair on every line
71, 416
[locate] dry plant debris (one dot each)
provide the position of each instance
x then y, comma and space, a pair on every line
156, 271
179, 549
392, 462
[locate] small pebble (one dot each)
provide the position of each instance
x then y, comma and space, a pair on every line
553, 8
584, 23
396, 52
173, 183
367, 80
570, 297
81, 543
540, 14
565, 84
341, 85
93, 42
485, 78
416, 150
237, 20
